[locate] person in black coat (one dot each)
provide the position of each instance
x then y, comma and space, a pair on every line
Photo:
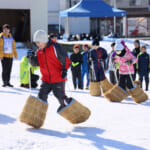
136, 52
76, 59
97, 57
144, 66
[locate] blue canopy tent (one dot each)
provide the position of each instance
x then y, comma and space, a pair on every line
92, 8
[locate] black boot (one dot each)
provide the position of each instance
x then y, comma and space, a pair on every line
60, 107
34, 85
141, 85
146, 86
10, 85
5, 84
68, 100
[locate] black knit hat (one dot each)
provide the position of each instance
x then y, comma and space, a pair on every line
113, 44
95, 42
6, 26
137, 41
52, 35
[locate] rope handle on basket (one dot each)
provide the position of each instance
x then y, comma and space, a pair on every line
114, 68
115, 72
30, 89
130, 76
92, 68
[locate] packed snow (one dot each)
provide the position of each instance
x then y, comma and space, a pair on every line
111, 126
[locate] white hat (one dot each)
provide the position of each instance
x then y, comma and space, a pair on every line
119, 45
40, 36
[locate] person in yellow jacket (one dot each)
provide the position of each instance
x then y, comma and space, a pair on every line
24, 72
7, 52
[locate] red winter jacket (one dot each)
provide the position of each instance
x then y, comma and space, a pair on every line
52, 60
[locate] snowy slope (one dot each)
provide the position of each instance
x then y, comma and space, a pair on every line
112, 126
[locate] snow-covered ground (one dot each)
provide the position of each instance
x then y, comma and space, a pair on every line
111, 126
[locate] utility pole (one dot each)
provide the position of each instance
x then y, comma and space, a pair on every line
115, 6
70, 4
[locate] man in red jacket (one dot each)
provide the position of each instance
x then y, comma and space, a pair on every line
53, 62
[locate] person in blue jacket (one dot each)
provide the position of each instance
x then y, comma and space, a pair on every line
97, 56
85, 66
144, 66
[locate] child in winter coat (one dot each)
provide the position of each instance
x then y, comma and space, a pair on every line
96, 58
136, 52
53, 63
113, 67
126, 61
84, 66
52, 60
144, 66
7, 52
24, 72
76, 59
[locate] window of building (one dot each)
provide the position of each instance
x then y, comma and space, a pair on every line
72, 2
138, 2
135, 2
132, 2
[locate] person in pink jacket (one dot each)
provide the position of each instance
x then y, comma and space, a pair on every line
126, 60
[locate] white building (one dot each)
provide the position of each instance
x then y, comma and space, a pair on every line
76, 25
25, 16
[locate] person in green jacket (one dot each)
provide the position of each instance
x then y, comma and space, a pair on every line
24, 72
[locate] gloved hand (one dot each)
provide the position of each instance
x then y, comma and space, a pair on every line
64, 73
30, 53
75, 64
129, 62
123, 43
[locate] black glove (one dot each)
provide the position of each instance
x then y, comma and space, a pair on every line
129, 62
30, 53
64, 73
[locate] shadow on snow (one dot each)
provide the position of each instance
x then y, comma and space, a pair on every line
4, 119
92, 134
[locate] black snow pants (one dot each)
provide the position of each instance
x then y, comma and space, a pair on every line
113, 77
76, 76
58, 90
6, 69
125, 81
145, 75
135, 72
